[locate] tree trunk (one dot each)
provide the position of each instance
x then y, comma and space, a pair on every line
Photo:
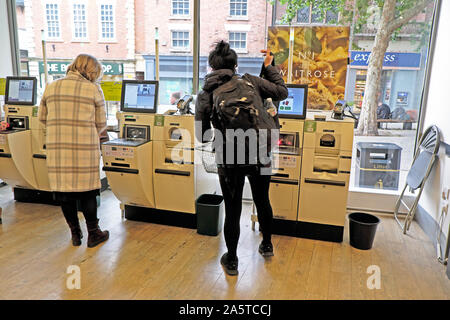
368, 118
352, 27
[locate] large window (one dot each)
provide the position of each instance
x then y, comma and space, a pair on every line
107, 22
79, 22
122, 37
180, 7
380, 162
238, 8
52, 16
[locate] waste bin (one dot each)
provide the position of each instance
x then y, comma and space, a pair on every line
377, 165
210, 214
363, 227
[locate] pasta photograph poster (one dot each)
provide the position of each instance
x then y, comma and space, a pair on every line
316, 56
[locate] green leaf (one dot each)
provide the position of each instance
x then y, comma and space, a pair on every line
281, 56
312, 41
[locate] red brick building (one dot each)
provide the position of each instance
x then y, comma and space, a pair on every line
102, 28
242, 22
122, 35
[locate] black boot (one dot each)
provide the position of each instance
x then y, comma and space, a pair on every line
76, 232
96, 236
266, 249
230, 265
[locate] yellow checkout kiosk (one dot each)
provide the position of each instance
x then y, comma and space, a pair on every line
22, 147
310, 182
151, 167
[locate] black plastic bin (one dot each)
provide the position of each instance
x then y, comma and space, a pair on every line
363, 227
210, 213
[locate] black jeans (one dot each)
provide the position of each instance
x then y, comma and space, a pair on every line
88, 205
232, 184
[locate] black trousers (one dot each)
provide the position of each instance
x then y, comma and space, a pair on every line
87, 201
232, 184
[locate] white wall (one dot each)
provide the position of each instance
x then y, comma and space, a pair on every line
5, 51
438, 113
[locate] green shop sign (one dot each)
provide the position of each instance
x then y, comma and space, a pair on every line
60, 67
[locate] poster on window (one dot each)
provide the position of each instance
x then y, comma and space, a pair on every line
316, 56
278, 44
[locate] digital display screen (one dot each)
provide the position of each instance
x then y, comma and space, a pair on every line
139, 96
294, 106
20, 91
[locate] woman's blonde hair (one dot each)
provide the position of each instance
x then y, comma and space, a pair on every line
88, 66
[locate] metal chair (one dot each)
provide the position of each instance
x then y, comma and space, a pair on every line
424, 159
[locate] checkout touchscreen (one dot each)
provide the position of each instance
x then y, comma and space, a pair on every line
294, 106
20, 90
139, 96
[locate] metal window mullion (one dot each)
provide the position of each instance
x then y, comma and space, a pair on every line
13, 36
196, 48
428, 68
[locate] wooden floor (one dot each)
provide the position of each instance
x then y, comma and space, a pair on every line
147, 261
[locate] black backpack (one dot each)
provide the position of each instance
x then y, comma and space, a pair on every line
238, 105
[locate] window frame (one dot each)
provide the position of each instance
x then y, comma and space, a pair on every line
239, 50
180, 16
237, 17
100, 33
47, 35
72, 5
180, 49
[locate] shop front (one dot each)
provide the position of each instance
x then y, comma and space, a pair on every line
175, 72
401, 84
112, 71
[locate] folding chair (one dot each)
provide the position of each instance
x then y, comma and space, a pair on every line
424, 159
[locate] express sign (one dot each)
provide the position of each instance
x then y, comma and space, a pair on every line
392, 60
59, 67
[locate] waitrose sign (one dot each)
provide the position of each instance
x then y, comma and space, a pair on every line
60, 67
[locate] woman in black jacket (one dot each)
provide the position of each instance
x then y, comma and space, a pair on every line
223, 62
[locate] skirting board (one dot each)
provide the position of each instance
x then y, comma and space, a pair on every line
431, 227
168, 218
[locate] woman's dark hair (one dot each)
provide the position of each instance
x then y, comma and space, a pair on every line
222, 57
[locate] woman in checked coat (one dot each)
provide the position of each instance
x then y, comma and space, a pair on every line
73, 110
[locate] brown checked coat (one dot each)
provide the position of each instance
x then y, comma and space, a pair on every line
73, 110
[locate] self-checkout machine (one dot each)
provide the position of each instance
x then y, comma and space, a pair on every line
326, 162
151, 168
179, 177
287, 158
128, 160
16, 144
